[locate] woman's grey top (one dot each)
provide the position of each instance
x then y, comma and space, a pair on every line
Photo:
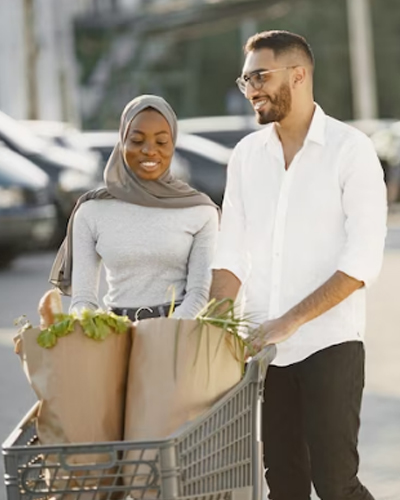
147, 252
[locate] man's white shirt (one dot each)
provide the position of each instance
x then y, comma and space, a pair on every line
285, 232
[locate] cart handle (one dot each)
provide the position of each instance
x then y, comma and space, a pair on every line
63, 456
266, 355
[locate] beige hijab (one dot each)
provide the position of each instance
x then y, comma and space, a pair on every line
121, 183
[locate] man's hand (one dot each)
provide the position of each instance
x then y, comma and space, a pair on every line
328, 295
273, 332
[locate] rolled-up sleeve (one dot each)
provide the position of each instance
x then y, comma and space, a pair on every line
231, 241
365, 208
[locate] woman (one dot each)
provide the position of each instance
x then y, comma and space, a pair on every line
154, 234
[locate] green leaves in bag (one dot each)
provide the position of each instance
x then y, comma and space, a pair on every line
97, 325
65, 325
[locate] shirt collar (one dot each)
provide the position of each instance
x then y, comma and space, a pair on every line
316, 132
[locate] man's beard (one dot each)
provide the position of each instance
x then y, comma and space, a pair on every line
281, 105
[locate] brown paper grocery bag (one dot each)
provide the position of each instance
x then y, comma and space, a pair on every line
177, 370
80, 383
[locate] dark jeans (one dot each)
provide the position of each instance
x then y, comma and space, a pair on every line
311, 418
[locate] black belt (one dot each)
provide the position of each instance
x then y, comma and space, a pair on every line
138, 313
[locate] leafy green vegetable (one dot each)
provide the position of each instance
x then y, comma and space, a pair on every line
47, 338
222, 315
97, 325
64, 326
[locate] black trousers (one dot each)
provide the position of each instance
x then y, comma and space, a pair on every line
311, 418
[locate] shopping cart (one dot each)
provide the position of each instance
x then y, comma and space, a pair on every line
217, 456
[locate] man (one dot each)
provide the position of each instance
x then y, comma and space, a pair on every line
302, 236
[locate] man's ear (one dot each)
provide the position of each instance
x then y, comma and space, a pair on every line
299, 75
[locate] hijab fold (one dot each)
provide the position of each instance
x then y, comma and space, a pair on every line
122, 184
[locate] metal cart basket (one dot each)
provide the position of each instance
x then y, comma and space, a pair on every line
217, 456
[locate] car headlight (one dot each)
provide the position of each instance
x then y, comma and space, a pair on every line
11, 197
74, 180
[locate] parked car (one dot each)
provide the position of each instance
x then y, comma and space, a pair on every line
62, 134
28, 217
71, 174
102, 142
208, 163
200, 162
226, 130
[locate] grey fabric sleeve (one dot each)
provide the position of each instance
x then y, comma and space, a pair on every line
199, 269
86, 262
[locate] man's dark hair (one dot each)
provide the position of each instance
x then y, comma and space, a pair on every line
280, 42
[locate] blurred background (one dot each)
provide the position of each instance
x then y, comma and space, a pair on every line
68, 67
